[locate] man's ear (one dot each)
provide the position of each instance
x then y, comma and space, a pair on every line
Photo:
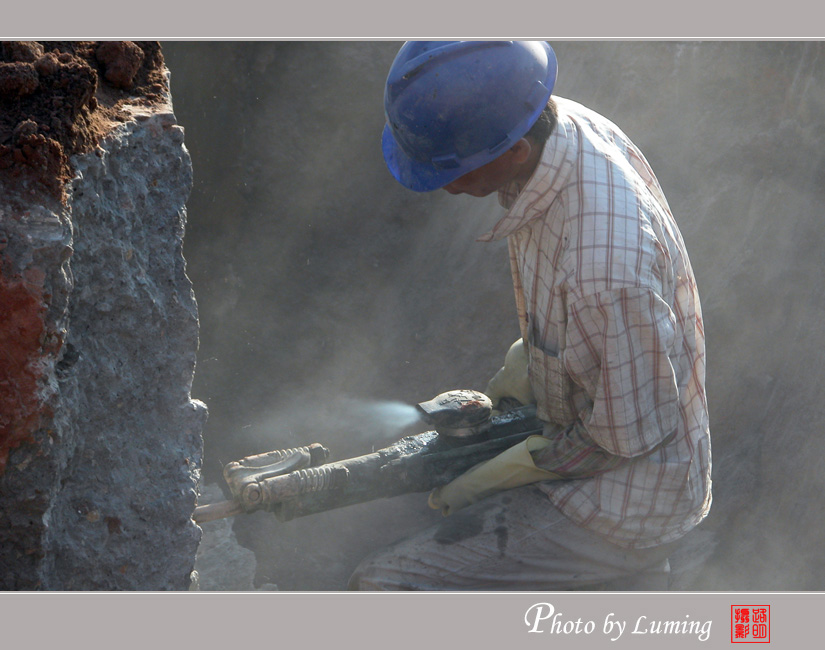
521, 151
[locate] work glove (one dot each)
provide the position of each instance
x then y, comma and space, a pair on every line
512, 380
512, 468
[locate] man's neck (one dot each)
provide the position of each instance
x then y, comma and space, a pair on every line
529, 165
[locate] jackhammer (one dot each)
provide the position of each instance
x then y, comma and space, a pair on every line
297, 482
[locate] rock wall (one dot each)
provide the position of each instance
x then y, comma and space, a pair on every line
320, 278
100, 440
35, 282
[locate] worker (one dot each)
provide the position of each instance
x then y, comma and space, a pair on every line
612, 342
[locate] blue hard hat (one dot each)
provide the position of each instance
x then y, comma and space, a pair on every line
453, 106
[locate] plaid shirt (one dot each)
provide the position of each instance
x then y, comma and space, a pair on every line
608, 306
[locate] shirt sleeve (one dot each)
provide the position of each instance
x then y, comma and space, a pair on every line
573, 454
620, 346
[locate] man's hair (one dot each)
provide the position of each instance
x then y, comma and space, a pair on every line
544, 125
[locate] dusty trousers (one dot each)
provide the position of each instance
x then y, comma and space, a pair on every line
512, 541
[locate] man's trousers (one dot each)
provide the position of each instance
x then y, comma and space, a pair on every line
513, 541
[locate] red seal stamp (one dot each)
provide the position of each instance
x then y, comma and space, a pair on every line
750, 623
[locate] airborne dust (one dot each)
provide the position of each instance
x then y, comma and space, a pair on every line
320, 280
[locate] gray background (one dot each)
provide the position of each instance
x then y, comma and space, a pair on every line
324, 285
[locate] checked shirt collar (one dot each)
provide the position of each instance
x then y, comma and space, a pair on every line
550, 176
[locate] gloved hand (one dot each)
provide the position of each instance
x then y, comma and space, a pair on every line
512, 379
512, 468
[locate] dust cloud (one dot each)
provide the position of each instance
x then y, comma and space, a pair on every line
321, 281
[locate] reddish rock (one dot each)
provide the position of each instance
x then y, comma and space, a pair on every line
22, 310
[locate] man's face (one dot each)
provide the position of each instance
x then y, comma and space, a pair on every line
494, 175
483, 181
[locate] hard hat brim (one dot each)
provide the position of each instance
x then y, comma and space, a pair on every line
416, 176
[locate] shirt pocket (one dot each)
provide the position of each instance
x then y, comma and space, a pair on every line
552, 386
